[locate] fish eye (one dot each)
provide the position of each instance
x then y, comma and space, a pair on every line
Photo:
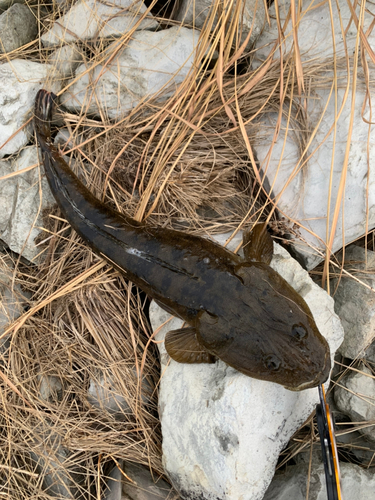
272, 362
299, 332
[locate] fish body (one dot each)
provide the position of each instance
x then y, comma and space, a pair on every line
240, 311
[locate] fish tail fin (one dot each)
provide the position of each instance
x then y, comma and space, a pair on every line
43, 110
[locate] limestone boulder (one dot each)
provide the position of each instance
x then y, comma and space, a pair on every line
24, 197
223, 431
92, 19
292, 484
18, 26
150, 63
354, 302
20, 81
304, 191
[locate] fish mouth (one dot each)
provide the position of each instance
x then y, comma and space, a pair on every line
319, 379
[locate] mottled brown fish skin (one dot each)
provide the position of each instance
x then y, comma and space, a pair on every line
243, 312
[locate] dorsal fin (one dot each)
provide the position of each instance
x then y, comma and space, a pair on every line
182, 346
258, 244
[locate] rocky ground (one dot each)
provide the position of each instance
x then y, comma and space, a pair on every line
223, 433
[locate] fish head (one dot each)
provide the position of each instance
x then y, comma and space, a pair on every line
268, 332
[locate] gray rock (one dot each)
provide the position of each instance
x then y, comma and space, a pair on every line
23, 201
50, 388
136, 483
104, 394
66, 59
63, 138
62, 6
61, 475
370, 353
20, 81
91, 19
18, 26
148, 63
253, 19
5, 4
12, 300
305, 198
292, 484
143, 487
223, 431
354, 303
114, 484
355, 397
357, 444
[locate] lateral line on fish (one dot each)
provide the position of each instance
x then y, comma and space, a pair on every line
289, 300
127, 248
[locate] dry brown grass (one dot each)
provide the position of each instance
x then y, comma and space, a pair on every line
96, 330
188, 163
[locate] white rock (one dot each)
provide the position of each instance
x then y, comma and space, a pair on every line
148, 63
195, 14
355, 397
314, 31
143, 487
94, 19
66, 59
233, 243
223, 431
354, 303
18, 26
23, 201
20, 81
305, 198
292, 484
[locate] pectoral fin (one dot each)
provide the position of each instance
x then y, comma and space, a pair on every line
258, 244
182, 346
